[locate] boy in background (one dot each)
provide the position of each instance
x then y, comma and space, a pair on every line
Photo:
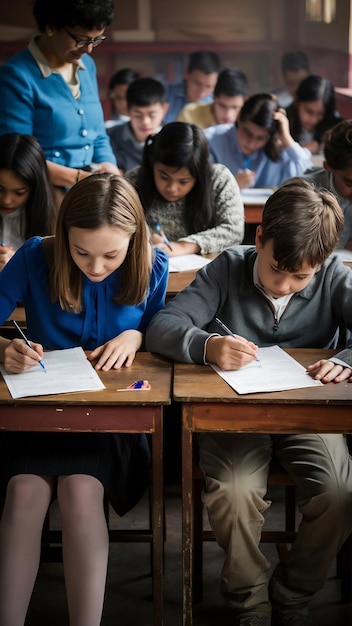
117, 95
146, 107
287, 290
336, 174
295, 67
230, 93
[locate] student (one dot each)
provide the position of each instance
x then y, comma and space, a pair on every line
294, 68
27, 205
258, 149
274, 293
230, 93
313, 112
117, 95
197, 86
198, 205
146, 107
96, 284
336, 175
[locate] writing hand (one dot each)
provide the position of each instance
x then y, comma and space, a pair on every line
117, 352
245, 179
327, 371
230, 353
19, 357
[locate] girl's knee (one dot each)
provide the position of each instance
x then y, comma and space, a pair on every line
25, 493
79, 494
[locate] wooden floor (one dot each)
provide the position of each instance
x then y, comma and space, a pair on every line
128, 595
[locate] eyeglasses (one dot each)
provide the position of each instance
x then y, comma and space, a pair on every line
83, 43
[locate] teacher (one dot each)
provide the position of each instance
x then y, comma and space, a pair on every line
50, 90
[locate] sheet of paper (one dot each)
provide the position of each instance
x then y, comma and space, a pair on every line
66, 371
275, 371
255, 195
187, 262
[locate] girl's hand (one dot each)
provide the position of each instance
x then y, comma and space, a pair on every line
178, 247
230, 353
284, 128
6, 252
19, 357
117, 352
327, 371
245, 179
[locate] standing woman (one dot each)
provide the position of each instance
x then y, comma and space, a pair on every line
27, 206
198, 205
96, 284
50, 89
313, 112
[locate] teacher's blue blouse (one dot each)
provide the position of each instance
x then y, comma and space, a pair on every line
25, 279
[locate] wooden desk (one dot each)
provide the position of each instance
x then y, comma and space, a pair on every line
253, 213
108, 411
210, 404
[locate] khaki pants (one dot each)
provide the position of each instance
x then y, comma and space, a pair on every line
236, 469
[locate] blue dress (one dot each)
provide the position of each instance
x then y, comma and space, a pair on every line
113, 459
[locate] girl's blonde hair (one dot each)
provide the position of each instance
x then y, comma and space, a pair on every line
95, 201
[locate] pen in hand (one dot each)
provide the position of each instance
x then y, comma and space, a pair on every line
228, 331
157, 228
28, 343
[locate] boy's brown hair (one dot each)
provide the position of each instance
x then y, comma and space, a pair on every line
303, 222
338, 146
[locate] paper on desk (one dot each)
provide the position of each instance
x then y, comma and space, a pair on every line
187, 262
66, 371
258, 195
276, 371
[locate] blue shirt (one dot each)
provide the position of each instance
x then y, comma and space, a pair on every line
177, 99
25, 279
224, 148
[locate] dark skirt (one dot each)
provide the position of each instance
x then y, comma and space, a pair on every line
120, 462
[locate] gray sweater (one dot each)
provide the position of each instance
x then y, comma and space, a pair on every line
229, 214
224, 288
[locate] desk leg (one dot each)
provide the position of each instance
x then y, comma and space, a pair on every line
187, 514
158, 519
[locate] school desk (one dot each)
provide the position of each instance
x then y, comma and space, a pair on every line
111, 411
210, 404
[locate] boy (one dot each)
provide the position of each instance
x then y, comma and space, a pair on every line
286, 290
230, 93
146, 107
197, 86
336, 175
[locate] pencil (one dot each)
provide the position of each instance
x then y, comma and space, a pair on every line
228, 331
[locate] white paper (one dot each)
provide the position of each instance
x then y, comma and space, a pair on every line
275, 371
255, 195
66, 371
187, 262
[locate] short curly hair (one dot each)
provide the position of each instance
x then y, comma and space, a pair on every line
89, 14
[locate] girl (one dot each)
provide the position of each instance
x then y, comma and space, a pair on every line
27, 206
197, 205
313, 112
258, 148
96, 284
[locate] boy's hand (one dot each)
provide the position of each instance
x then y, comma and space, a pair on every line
118, 352
230, 353
327, 371
245, 179
284, 128
19, 357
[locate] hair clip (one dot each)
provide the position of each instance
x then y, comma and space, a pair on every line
138, 385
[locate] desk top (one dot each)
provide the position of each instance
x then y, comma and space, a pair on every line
146, 366
200, 383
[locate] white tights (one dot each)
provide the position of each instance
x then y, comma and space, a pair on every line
85, 544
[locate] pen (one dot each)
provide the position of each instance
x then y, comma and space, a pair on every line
28, 342
228, 331
247, 163
157, 227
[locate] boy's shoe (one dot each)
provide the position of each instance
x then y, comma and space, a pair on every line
291, 616
258, 616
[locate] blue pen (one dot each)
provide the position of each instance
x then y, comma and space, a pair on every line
28, 343
228, 331
247, 163
157, 227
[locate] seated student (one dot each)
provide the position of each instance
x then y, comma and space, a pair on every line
274, 293
230, 93
336, 175
197, 86
294, 68
197, 205
146, 107
27, 205
258, 148
313, 112
117, 96
96, 284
